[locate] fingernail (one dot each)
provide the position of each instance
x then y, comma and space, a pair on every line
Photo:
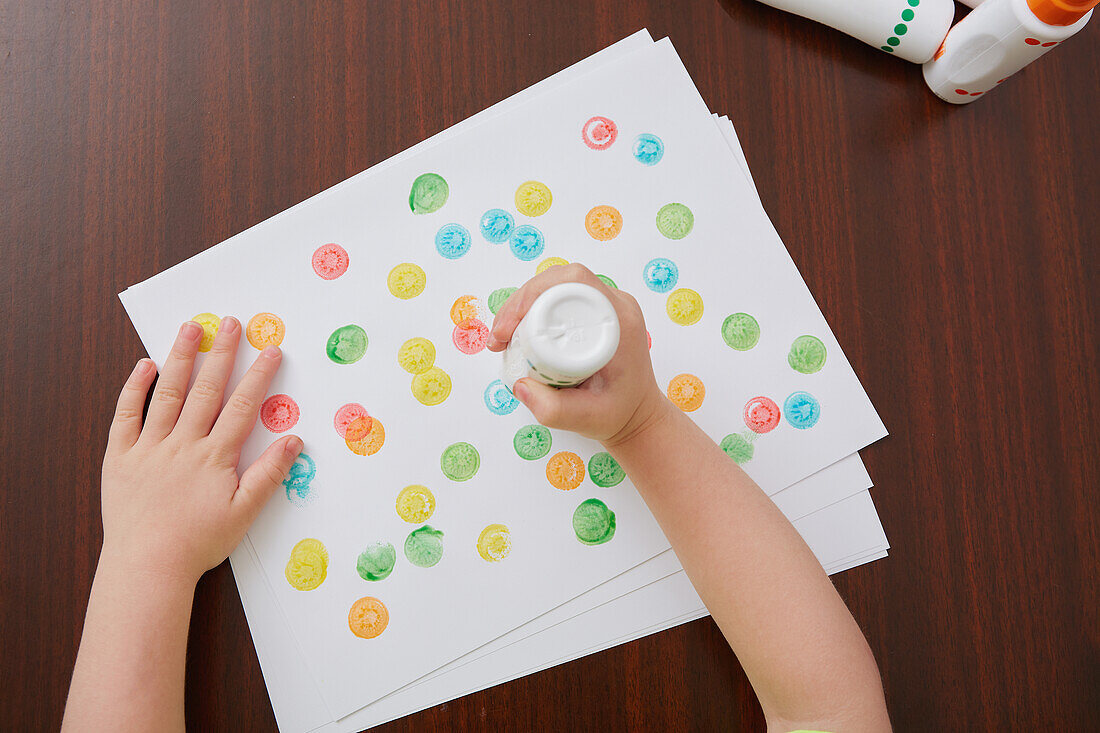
293, 445
143, 366
229, 324
494, 342
521, 392
271, 352
191, 331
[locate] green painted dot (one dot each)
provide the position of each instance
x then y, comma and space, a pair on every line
914, 3
675, 221
807, 354
887, 48
608, 282
901, 29
424, 546
429, 193
893, 41
605, 471
740, 331
593, 522
737, 448
460, 462
376, 562
907, 15
347, 344
532, 442
497, 298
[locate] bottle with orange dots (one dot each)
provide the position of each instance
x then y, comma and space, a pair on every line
996, 40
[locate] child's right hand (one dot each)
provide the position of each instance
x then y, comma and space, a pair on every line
615, 403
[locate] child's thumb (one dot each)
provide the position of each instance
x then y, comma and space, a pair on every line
266, 474
544, 402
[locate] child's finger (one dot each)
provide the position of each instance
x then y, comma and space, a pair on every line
171, 388
569, 409
126, 425
517, 305
265, 475
239, 414
205, 398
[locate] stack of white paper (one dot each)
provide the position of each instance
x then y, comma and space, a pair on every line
479, 571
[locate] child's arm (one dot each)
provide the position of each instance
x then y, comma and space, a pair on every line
799, 646
173, 507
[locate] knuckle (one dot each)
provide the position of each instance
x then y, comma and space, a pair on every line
127, 414
274, 474
242, 404
206, 390
168, 393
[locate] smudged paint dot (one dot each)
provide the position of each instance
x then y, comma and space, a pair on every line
330, 261
737, 447
368, 618
675, 221
565, 470
686, 391
424, 546
807, 354
802, 410
684, 306
533, 198
376, 561
346, 415
452, 241
429, 192
299, 480
532, 442
347, 344
498, 297
465, 308
527, 242
432, 386
607, 281
550, 262
660, 274
406, 280
599, 133
265, 329
740, 331
648, 149
279, 413
603, 223
605, 471
209, 323
415, 504
365, 436
593, 522
460, 461
417, 355
498, 399
494, 543
307, 567
761, 415
470, 336
496, 225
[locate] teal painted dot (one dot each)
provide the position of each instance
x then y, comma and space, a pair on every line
907, 15
887, 48
893, 40
901, 29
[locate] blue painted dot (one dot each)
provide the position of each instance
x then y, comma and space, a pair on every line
299, 479
497, 225
660, 275
648, 149
499, 400
452, 241
527, 242
802, 410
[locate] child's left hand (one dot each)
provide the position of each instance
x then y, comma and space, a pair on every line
172, 501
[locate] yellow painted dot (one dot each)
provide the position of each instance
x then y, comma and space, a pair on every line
407, 280
308, 565
684, 306
265, 329
365, 436
603, 223
494, 543
467, 307
209, 323
431, 387
533, 198
686, 392
565, 470
368, 617
415, 504
417, 355
550, 262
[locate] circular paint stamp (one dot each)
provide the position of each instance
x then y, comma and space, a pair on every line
498, 297
494, 543
527, 242
279, 413
807, 354
648, 149
605, 471
431, 387
532, 442
593, 522
686, 391
660, 274
737, 447
307, 567
470, 336
365, 436
802, 410
330, 261
299, 480
452, 241
675, 221
417, 355
406, 280
415, 504
499, 399
424, 547
467, 307
603, 223
533, 198
265, 329
460, 461
346, 415
376, 561
684, 306
761, 415
497, 225
740, 331
565, 470
347, 344
368, 618
550, 262
599, 133
429, 192
209, 323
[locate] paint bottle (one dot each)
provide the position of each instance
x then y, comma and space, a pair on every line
911, 29
569, 334
998, 39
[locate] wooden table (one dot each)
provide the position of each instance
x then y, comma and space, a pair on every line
953, 250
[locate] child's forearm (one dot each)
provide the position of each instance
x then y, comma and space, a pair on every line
130, 667
799, 646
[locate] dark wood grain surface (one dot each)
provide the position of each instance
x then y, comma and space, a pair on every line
953, 251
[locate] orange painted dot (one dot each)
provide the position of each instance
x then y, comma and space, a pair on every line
1032, 41
368, 617
265, 329
604, 223
364, 436
465, 309
940, 50
686, 392
565, 470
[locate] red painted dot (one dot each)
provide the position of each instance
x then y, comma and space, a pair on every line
1048, 44
599, 132
960, 91
649, 339
975, 94
348, 414
1000, 80
1032, 41
279, 413
330, 261
470, 336
761, 415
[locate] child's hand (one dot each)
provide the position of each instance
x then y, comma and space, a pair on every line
172, 500
613, 404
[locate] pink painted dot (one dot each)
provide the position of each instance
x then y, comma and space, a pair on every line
1048, 44
1032, 41
599, 132
279, 413
348, 414
330, 261
470, 336
761, 415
